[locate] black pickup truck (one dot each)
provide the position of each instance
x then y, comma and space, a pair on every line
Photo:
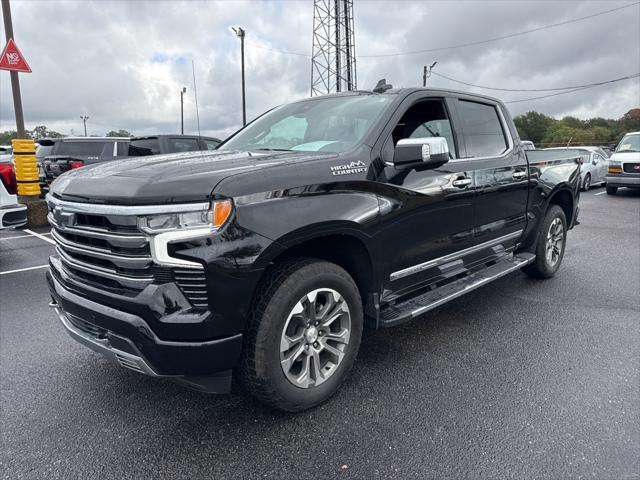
264, 260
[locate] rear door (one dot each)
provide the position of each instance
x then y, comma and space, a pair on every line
501, 176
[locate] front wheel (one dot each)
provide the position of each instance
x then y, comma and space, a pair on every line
551, 243
612, 190
587, 182
303, 334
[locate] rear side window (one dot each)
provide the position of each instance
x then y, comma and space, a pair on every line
92, 149
483, 133
183, 145
144, 146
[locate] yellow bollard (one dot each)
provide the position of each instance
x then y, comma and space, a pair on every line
26, 165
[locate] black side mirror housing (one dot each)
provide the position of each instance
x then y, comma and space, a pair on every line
412, 152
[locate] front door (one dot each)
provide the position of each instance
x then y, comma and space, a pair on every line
427, 212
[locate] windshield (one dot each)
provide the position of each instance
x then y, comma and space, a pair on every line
630, 143
334, 124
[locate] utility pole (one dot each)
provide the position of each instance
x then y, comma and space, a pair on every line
84, 121
15, 82
241, 33
182, 92
426, 73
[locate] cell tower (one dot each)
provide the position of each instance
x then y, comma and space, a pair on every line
333, 60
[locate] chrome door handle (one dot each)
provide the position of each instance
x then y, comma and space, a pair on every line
519, 175
462, 182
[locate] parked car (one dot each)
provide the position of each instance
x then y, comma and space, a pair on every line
12, 213
594, 165
528, 145
74, 152
624, 164
267, 256
160, 144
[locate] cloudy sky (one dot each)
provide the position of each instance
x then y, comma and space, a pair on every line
123, 63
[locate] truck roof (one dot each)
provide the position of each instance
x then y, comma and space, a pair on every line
406, 91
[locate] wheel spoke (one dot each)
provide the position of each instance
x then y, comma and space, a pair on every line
290, 359
339, 308
286, 342
304, 379
340, 337
332, 350
318, 377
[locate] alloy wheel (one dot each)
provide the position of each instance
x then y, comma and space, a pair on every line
315, 337
555, 242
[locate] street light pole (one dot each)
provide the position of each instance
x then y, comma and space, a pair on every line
84, 121
241, 33
15, 82
426, 73
182, 92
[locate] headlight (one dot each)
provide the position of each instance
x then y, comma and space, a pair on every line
214, 218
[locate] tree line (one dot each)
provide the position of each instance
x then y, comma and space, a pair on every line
41, 131
541, 129
545, 131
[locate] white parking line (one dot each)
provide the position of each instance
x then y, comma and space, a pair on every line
21, 236
41, 237
600, 193
23, 269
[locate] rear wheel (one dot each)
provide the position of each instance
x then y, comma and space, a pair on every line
612, 190
551, 244
587, 182
303, 335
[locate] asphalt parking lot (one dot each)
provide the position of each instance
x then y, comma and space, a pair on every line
519, 379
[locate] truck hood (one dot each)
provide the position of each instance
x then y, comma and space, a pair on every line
625, 157
160, 179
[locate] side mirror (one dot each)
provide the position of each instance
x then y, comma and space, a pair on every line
412, 152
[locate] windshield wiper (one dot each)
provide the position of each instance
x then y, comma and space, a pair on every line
272, 149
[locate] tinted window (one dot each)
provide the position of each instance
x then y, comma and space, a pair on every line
211, 144
182, 145
482, 129
144, 146
426, 119
92, 149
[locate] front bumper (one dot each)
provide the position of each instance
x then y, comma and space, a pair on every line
127, 340
623, 181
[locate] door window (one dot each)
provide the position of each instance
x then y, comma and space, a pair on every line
211, 144
483, 132
426, 119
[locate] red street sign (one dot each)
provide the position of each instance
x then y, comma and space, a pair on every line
12, 59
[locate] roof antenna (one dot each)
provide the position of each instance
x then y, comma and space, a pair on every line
382, 86
195, 92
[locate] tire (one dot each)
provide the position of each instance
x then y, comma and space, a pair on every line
612, 190
281, 307
587, 182
547, 263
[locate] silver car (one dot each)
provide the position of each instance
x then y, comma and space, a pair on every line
594, 165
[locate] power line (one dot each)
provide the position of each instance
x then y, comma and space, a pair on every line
503, 37
574, 90
462, 45
595, 84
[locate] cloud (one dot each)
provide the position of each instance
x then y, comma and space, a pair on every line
124, 63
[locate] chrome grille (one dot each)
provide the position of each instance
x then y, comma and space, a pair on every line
631, 167
110, 253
